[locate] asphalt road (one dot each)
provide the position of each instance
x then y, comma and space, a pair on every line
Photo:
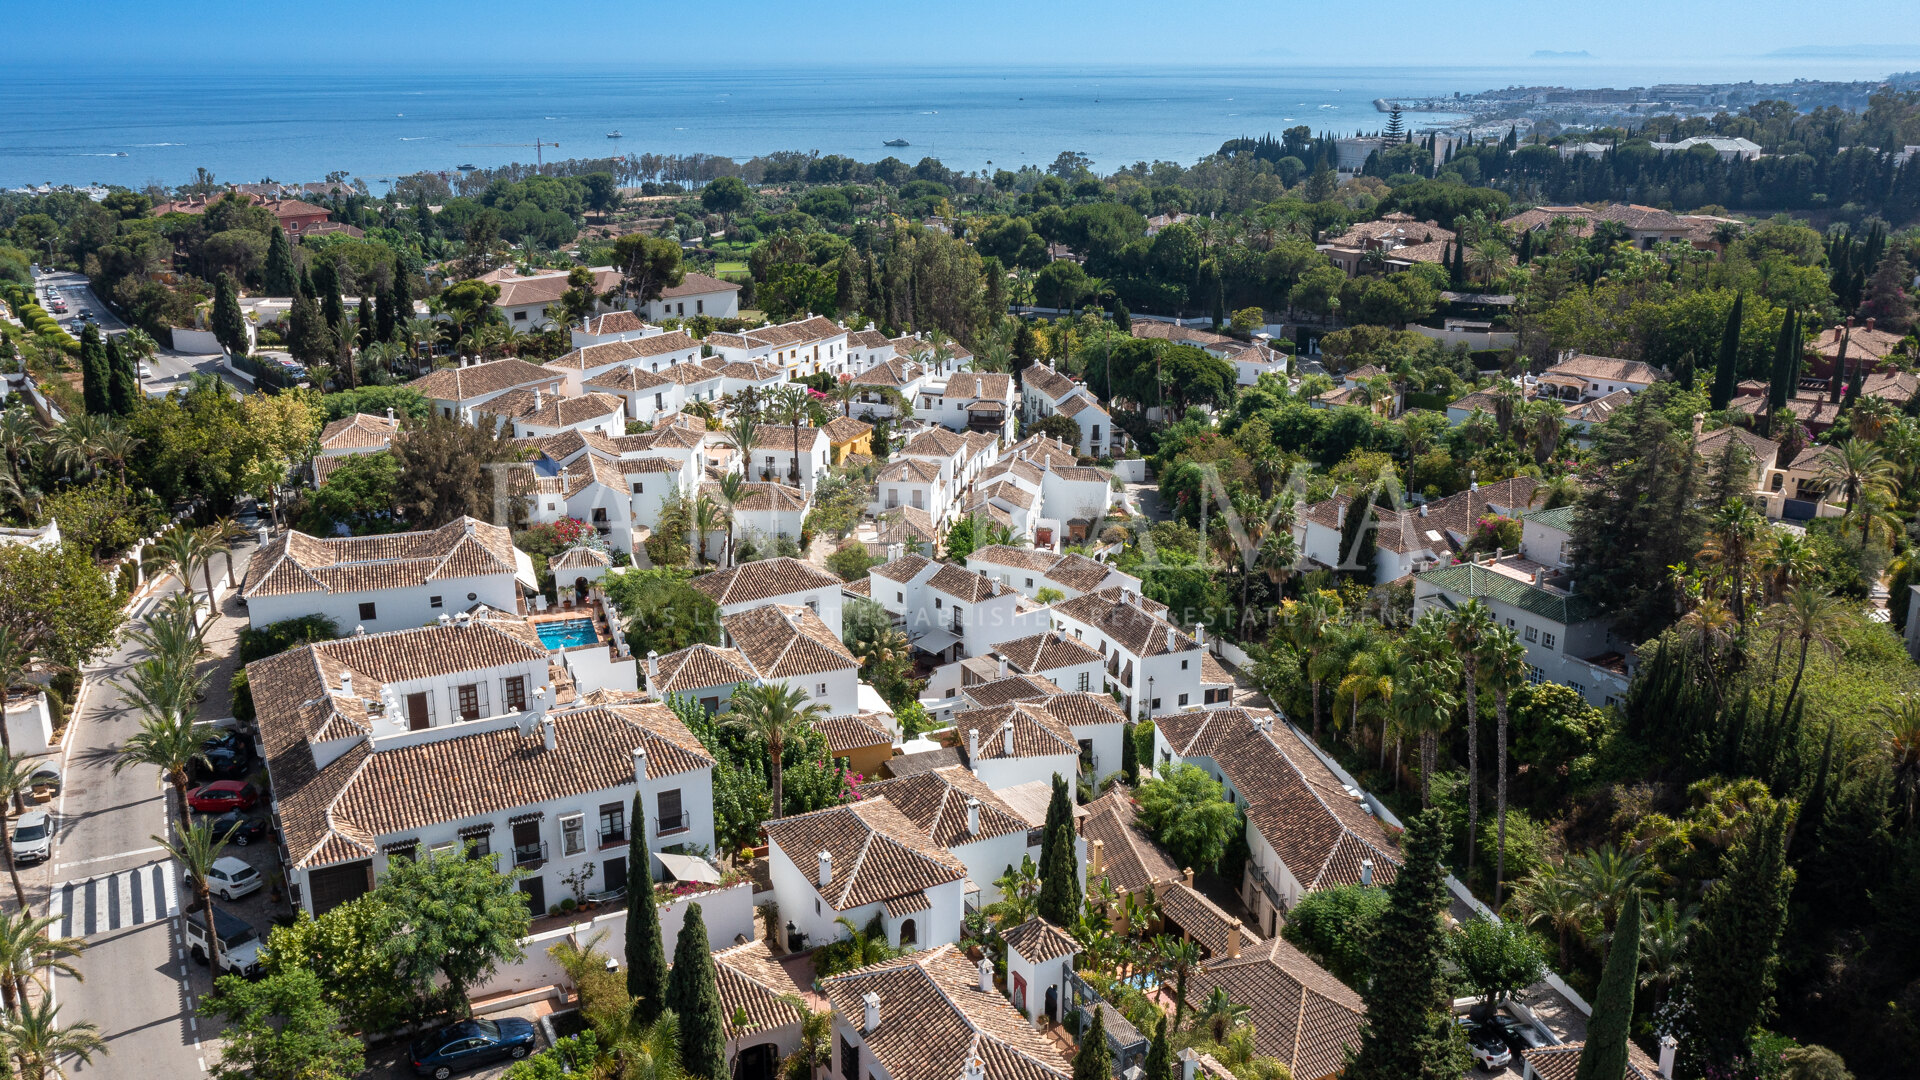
169, 368
138, 985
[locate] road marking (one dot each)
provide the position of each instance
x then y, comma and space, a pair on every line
109, 858
115, 901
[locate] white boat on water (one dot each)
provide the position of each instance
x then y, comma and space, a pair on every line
613, 135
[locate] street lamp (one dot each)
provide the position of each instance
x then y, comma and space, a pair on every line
1146, 706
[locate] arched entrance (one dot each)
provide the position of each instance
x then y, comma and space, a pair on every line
580, 590
909, 934
759, 1062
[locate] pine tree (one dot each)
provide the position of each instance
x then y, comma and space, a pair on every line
1159, 1063
229, 325
1094, 1060
93, 372
1409, 1033
278, 277
1059, 899
1605, 1055
694, 996
1726, 373
1396, 125
123, 379
308, 338
646, 956
1729, 982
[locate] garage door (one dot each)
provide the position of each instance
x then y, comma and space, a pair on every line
335, 885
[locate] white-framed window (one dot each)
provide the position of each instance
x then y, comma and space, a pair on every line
1084, 681
1183, 699
820, 690
433, 601
1533, 634
444, 848
1535, 675
1546, 641
573, 834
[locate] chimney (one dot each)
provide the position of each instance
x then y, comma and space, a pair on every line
1188, 874
1668, 1047
1003, 667
973, 817
653, 667
1233, 939
549, 737
1423, 509
639, 764
346, 683
1006, 737
1096, 856
1200, 634
1189, 1063
1366, 871
1170, 635
986, 975
870, 1002
973, 744
825, 878
1699, 421
975, 1068
1869, 324
389, 414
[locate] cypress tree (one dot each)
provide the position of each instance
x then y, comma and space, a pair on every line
1094, 1061
401, 295
1730, 980
1778, 390
1526, 247
307, 288
1129, 756
1122, 318
1358, 545
279, 278
382, 314
1409, 1032
1059, 899
93, 371
1683, 371
694, 996
123, 379
1159, 1064
229, 325
365, 320
1605, 1055
646, 956
1726, 373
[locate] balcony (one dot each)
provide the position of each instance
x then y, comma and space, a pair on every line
673, 823
612, 838
527, 856
1272, 894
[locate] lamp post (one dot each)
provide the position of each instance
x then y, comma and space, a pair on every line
1146, 704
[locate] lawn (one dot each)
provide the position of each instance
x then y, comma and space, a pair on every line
730, 266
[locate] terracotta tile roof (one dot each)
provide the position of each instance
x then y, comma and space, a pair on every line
1024, 470
1212, 672
867, 339
1711, 444
477, 380
1392, 229
1203, 920
1130, 860
704, 372
965, 585
589, 357
1009, 491
842, 430
764, 497
1302, 810
693, 284
629, 378
1302, 1015
357, 431
1579, 217
614, 322
934, 442
895, 373
1604, 367
855, 731
1873, 344
552, 410
1047, 381
1444, 527
752, 982
1164, 331
1040, 941
1635, 216
1562, 1061
1036, 733
993, 513
908, 470
1023, 558
782, 640
576, 557
1597, 410
1046, 652
903, 569
903, 522
1899, 387
1133, 626
934, 1018
297, 563
763, 580
700, 667
1083, 473
1041, 448
877, 852
987, 385
936, 802
979, 442
1013, 688
1077, 404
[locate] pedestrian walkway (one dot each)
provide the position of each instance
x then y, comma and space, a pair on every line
116, 901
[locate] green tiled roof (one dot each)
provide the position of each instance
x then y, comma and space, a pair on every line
1558, 518
1471, 579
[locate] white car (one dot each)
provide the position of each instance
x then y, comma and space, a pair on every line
146, 370
32, 838
230, 878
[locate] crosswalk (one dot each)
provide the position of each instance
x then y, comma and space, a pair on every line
116, 901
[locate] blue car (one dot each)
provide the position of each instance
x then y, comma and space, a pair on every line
470, 1044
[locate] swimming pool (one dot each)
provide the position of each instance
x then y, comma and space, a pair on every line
566, 633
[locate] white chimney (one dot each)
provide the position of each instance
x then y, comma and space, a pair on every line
1668, 1047
653, 668
1200, 634
1003, 667
1189, 1063
639, 764
975, 1068
1423, 509
1699, 421
1170, 636
986, 975
346, 683
973, 817
825, 878
549, 736
389, 414
973, 744
1366, 871
871, 1002
1006, 734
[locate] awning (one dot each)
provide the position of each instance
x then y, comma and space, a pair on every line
935, 641
688, 867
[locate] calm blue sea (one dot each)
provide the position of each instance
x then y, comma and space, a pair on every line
299, 123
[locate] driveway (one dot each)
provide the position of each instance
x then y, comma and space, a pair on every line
170, 368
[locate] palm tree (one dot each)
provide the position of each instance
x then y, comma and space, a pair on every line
1547, 899
709, 517
1900, 736
21, 439
1369, 678
178, 553
744, 433
790, 407
1507, 403
1855, 468
775, 713
168, 743
1502, 663
1733, 539
1469, 629
15, 780
1179, 957
1424, 691
1486, 259
1812, 616
1219, 1015
1308, 622
76, 445
138, 344
27, 953
1606, 880
815, 1051
1544, 419
41, 1047
1663, 945
1790, 558
1870, 416
115, 447
197, 848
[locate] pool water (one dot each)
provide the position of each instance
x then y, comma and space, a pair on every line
566, 633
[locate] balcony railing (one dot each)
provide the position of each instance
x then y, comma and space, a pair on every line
675, 822
610, 837
530, 854
1266, 886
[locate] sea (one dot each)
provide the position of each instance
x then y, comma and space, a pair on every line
137, 126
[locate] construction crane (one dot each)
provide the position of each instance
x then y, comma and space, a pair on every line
537, 145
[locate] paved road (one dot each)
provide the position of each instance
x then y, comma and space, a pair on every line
169, 368
111, 885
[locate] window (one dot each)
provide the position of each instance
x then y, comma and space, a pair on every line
1577, 688
659, 401
1533, 634
527, 845
516, 688
433, 601
1084, 680
936, 602
467, 699
1086, 751
519, 316
613, 823
1546, 641
639, 488
573, 834
699, 307
1183, 665
482, 845
1156, 704
820, 690
442, 848
366, 611
1183, 699
1103, 645
1535, 675
672, 818
849, 1059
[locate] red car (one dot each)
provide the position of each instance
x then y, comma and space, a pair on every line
222, 796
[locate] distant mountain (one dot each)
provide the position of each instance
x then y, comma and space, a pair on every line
1551, 54
1848, 52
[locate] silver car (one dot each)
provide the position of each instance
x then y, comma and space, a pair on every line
32, 838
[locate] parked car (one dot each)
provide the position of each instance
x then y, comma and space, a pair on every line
229, 878
229, 757
1489, 1046
146, 370
239, 945
243, 829
32, 837
470, 1044
1519, 1035
222, 796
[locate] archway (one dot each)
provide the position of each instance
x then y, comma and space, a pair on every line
580, 590
759, 1062
909, 934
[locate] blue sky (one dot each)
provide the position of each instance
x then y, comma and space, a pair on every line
803, 34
